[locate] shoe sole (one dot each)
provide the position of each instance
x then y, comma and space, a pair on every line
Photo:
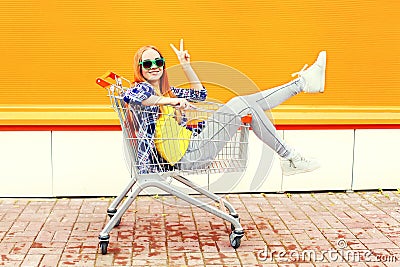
322, 55
301, 171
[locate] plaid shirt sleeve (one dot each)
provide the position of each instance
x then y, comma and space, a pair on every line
137, 94
190, 94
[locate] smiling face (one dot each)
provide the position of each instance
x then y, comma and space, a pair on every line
154, 74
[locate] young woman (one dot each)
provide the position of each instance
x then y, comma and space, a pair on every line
152, 90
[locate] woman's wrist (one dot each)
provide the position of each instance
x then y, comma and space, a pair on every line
186, 66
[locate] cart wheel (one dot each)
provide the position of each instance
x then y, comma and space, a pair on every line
103, 246
235, 240
237, 218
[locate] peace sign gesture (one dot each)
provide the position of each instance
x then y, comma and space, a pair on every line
183, 55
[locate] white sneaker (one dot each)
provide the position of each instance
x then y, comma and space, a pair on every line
298, 164
314, 76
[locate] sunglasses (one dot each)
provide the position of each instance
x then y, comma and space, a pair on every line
149, 63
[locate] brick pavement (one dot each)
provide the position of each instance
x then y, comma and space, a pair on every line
298, 229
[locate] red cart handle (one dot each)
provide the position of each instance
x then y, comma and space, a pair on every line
102, 80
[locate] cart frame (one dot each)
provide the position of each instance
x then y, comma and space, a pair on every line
116, 86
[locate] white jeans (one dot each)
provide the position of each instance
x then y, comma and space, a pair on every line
219, 129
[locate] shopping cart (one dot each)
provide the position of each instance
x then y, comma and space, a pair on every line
231, 157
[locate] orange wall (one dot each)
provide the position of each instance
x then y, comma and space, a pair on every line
52, 51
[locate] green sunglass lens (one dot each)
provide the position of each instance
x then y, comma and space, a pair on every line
148, 64
159, 62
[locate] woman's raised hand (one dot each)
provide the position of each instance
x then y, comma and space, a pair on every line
183, 55
184, 59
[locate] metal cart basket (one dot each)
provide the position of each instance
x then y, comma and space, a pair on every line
230, 156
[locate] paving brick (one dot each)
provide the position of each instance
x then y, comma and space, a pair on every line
183, 246
106, 260
20, 248
78, 259
48, 260
72, 248
177, 259
51, 250
32, 260
209, 246
149, 262
194, 259
90, 247
248, 258
221, 258
11, 260
122, 259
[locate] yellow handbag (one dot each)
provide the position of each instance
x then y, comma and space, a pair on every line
170, 138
